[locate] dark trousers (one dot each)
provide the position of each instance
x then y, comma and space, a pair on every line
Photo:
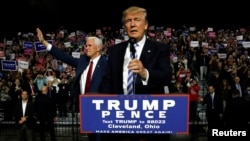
44, 126
94, 137
26, 134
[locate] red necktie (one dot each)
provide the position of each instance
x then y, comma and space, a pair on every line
88, 80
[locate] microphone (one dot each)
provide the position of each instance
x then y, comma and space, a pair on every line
132, 41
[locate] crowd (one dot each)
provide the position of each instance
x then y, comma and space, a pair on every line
218, 57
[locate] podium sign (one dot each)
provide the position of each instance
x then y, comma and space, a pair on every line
139, 114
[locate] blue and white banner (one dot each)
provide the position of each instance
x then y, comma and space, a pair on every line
39, 47
139, 114
9, 65
28, 45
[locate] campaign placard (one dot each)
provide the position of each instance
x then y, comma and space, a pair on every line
139, 114
39, 47
28, 44
9, 65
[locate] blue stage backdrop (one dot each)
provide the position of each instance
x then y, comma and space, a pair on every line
139, 114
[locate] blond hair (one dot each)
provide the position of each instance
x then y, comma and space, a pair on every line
134, 9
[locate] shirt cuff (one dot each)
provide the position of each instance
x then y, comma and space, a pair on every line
49, 47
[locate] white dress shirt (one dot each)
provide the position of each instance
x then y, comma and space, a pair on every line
127, 58
84, 74
24, 104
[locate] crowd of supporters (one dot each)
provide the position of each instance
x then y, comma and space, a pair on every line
220, 58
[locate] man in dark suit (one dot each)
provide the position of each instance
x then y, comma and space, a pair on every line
63, 97
52, 92
236, 84
24, 113
45, 111
235, 115
93, 53
32, 89
214, 110
150, 63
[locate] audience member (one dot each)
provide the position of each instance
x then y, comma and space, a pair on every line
24, 116
46, 114
214, 110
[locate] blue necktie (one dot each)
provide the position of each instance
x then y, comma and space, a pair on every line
131, 77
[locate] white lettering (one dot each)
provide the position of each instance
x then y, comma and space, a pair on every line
113, 104
168, 103
119, 114
134, 105
216, 132
150, 106
105, 113
149, 126
146, 104
147, 114
162, 114
135, 114
98, 104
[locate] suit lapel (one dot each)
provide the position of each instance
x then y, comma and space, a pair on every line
147, 52
120, 51
98, 68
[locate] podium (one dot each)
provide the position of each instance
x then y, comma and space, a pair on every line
134, 114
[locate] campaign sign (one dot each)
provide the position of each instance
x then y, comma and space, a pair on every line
39, 47
28, 45
9, 65
139, 114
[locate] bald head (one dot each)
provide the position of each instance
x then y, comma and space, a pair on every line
44, 90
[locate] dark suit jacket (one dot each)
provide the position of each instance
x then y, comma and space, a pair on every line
80, 64
213, 113
28, 88
155, 57
63, 93
45, 108
235, 113
29, 112
233, 87
52, 94
15, 93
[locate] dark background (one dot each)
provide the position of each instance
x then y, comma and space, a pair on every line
87, 15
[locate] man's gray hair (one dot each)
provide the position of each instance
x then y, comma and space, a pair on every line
97, 40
